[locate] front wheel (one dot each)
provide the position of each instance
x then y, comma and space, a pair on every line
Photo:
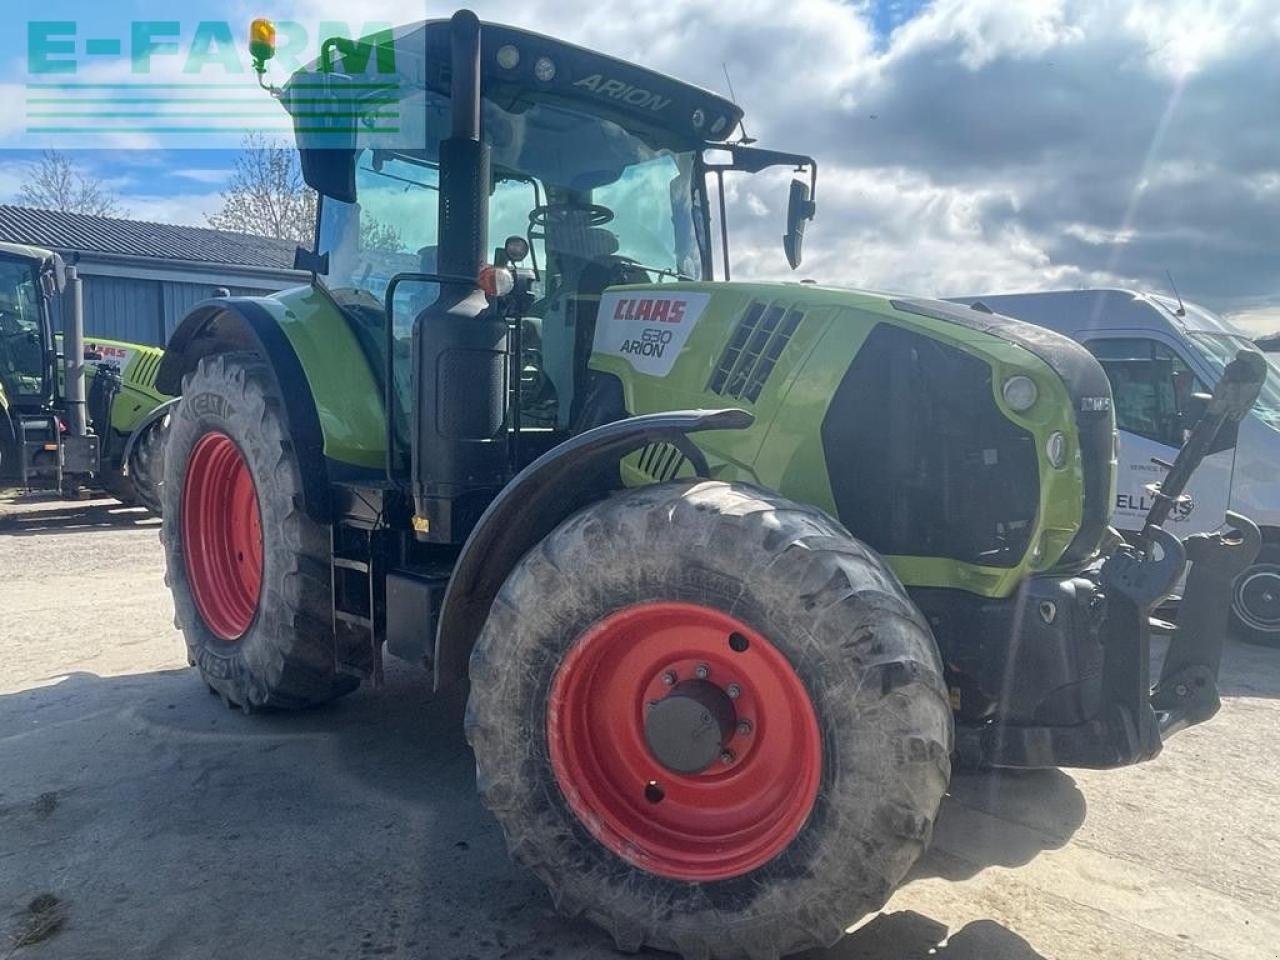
146, 466
710, 720
1255, 600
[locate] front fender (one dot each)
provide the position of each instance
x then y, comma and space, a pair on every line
232, 324
562, 481
140, 428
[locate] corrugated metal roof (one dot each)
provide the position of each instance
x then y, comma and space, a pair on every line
136, 238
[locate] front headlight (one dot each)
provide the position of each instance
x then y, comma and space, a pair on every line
1020, 393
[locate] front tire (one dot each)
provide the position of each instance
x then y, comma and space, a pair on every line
797, 822
146, 466
248, 569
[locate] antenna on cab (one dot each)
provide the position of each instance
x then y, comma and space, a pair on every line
1182, 310
744, 140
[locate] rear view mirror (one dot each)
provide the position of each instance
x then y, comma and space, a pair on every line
799, 210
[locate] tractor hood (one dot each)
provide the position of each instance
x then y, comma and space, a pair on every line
890, 412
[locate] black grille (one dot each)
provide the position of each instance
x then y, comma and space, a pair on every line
753, 350
921, 460
145, 371
661, 461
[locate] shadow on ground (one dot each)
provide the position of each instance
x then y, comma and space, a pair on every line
70, 517
908, 935
168, 825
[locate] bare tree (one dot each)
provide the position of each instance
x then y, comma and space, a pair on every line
375, 235
266, 194
56, 183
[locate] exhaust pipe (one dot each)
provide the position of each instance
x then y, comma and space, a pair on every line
73, 355
460, 349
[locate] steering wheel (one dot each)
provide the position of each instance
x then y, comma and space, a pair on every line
597, 216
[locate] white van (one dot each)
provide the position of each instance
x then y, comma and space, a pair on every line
1157, 353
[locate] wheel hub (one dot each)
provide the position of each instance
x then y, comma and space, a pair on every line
684, 741
688, 730
222, 536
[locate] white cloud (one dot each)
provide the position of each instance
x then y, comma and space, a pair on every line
984, 145
1257, 323
214, 176
189, 209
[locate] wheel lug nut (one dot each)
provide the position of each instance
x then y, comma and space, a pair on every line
726, 757
734, 691
744, 727
702, 671
669, 678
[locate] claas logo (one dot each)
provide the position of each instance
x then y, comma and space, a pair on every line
650, 310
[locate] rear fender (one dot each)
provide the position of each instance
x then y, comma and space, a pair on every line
234, 324
562, 481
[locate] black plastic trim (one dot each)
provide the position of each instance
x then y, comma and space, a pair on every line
243, 323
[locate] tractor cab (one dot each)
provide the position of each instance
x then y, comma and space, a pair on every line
598, 170
26, 338
44, 437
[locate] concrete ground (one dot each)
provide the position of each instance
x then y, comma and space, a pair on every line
167, 826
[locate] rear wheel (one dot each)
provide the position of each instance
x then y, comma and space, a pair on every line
1255, 599
710, 720
248, 569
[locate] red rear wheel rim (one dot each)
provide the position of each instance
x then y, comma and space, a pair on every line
222, 536
720, 823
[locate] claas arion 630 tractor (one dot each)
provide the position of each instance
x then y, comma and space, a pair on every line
734, 569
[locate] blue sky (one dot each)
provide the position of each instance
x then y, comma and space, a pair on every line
966, 146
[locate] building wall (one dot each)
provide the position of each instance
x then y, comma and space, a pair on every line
145, 309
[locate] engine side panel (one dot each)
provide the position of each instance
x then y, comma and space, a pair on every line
785, 353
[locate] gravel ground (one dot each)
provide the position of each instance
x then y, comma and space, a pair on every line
141, 818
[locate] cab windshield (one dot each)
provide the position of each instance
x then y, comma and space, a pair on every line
598, 204
22, 357
1219, 349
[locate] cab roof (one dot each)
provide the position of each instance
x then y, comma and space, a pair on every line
34, 254
634, 96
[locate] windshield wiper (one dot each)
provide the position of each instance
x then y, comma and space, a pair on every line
392, 176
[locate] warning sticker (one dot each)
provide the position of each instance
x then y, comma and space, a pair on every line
648, 330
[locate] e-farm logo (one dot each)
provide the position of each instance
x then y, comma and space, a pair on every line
167, 78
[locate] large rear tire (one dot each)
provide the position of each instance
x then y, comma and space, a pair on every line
832, 758
248, 569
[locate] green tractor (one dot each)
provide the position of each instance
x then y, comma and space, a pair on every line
72, 414
733, 569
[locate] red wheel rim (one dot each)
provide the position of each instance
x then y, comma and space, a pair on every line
222, 536
723, 822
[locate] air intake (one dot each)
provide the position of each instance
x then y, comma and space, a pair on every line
763, 331
661, 462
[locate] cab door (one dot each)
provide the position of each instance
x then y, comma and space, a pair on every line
1153, 388
26, 384
25, 337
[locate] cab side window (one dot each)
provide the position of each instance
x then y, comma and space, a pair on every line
21, 349
1152, 387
